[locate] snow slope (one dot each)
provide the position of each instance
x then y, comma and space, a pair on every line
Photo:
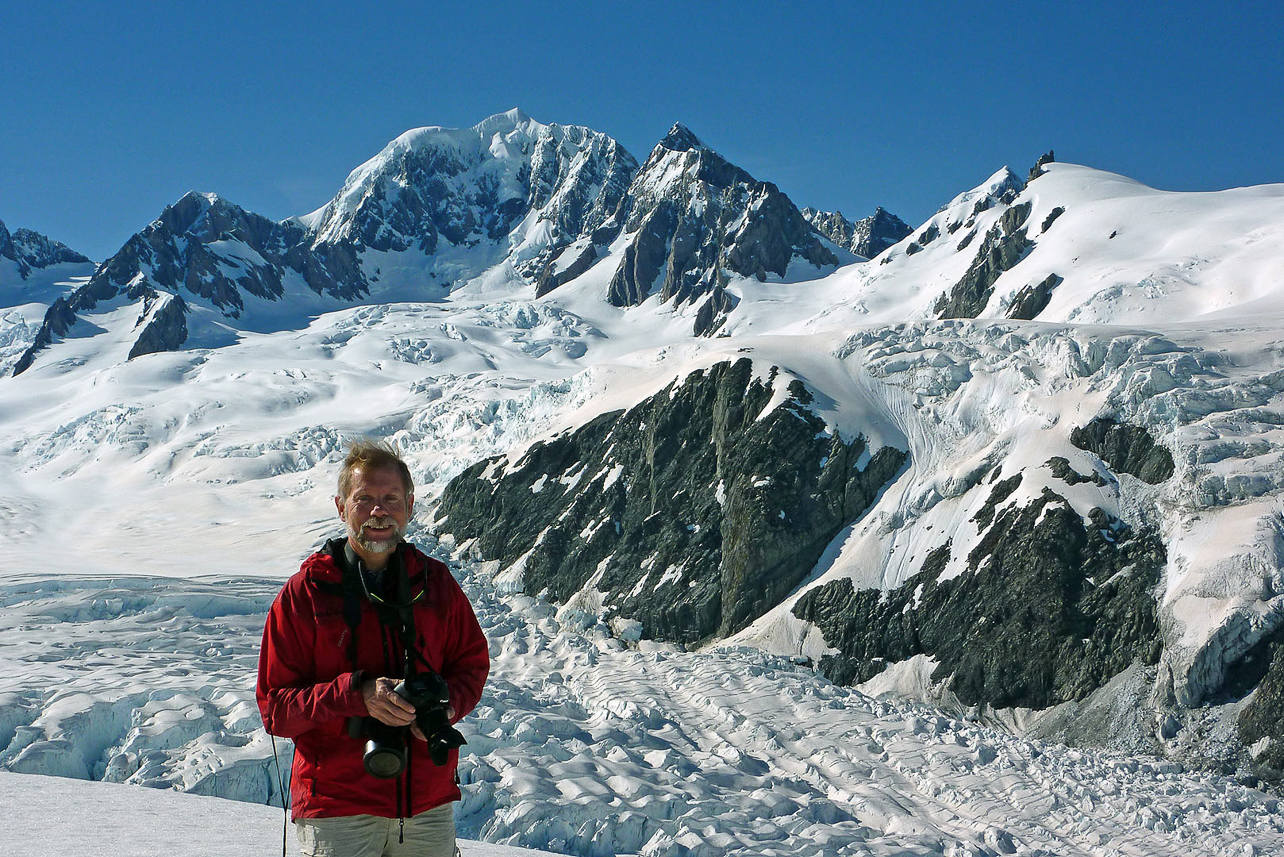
118, 821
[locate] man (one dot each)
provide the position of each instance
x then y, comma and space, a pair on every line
362, 614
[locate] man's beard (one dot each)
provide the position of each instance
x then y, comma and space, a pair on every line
368, 544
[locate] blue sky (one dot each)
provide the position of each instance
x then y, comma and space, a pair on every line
112, 111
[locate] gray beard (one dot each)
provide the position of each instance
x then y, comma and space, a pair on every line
368, 544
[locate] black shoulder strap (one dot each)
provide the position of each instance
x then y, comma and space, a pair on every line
400, 617
349, 588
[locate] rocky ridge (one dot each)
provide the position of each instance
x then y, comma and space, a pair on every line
866, 237
439, 207
690, 216
30, 250
687, 516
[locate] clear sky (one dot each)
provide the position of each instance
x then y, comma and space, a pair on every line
110, 111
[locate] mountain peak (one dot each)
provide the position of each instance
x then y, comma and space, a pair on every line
506, 121
681, 139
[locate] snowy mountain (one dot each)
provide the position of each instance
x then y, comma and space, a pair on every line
1022, 465
435, 207
867, 237
510, 201
35, 271
29, 250
691, 219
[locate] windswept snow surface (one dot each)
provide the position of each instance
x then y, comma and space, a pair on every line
58, 817
151, 508
581, 745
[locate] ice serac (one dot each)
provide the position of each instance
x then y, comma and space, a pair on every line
866, 237
690, 218
693, 512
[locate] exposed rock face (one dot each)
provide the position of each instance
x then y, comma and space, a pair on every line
1044, 159
58, 321
690, 214
1128, 449
1005, 245
33, 250
866, 237
1061, 469
582, 258
713, 312
1032, 300
1051, 218
693, 512
1261, 722
1049, 609
163, 325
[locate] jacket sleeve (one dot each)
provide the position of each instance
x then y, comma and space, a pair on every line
467, 655
291, 698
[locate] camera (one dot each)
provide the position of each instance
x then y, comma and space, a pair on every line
385, 755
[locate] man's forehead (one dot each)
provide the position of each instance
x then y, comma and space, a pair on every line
372, 475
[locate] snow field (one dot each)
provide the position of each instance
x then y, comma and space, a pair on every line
44, 816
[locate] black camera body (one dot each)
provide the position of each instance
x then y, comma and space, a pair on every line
385, 754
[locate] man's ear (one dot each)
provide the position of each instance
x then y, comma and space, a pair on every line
338, 504
410, 505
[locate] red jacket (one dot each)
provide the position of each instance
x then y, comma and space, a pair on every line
307, 688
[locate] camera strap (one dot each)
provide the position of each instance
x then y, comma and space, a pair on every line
397, 614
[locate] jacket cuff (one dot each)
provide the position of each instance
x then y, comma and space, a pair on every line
357, 678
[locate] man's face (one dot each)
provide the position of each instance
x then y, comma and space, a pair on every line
376, 510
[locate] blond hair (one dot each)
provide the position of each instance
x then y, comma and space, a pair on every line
369, 454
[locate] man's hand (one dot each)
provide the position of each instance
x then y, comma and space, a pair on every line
384, 705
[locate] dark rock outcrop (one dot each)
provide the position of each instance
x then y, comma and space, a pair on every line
1261, 721
163, 326
1037, 170
713, 312
1052, 218
1048, 609
550, 278
1032, 300
1126, 448
58, 321
1005, 245
694, 512
1061, 469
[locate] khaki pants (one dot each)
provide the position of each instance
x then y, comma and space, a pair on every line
428, 834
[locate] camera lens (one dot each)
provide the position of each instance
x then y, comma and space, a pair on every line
383, 761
